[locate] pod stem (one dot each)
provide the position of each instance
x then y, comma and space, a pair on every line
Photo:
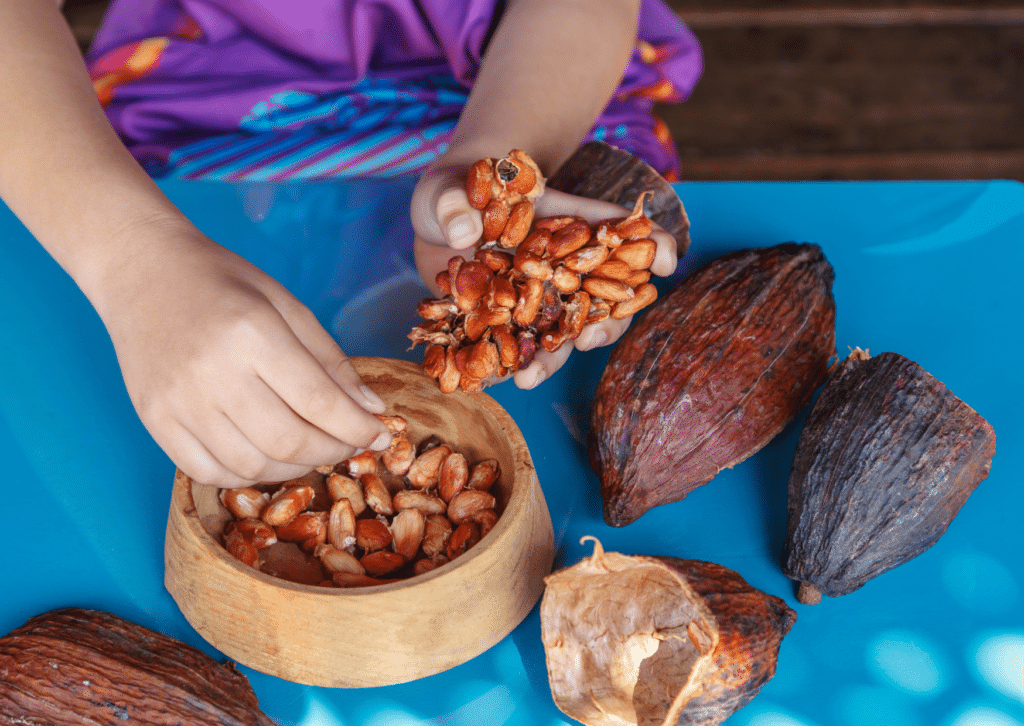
808, 594
598, 554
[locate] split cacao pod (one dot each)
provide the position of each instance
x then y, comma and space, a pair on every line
885, 461
656, 641
710, 374
76, 667
598, 170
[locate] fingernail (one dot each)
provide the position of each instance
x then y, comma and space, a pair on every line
459, 228
381, 442
372, 399
594, 340
538, 378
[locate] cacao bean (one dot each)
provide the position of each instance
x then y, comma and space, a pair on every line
559, 255
622, 178
478, 183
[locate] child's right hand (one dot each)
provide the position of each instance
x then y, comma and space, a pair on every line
234, 378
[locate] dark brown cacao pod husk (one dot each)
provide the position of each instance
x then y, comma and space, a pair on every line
598, 170
885, 461
657, 641
77, 667
710, 374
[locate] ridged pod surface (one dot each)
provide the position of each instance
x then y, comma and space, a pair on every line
598, 170
78, 667
656, 641
710, 374
885, 461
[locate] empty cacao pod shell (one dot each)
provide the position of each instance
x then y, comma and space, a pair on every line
656, 641
887, 457
598, 170
85, 667
710, 374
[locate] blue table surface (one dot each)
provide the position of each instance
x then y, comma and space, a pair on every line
929, 270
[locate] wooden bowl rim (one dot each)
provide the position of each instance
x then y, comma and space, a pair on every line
523, 476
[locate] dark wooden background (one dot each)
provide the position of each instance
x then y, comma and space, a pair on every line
799, 89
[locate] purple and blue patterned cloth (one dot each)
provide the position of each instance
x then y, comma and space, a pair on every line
271, 90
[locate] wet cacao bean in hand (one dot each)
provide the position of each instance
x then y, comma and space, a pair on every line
885, 461
710, 374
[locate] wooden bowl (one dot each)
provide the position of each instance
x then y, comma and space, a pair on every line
385, 634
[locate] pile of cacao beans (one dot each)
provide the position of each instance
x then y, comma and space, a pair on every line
368, 520
531, 282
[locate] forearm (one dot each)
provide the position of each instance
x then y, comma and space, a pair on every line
549, 71
63, 170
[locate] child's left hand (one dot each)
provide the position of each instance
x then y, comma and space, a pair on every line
445, 224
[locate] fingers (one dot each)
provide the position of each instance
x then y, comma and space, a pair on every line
325, 349
431, 259
543, 367
257, 437
442, 216
254, 436
603, 333
554, 203
304, 385
460, 223
592, 336
236, 455
665, 258
441, 213
274, 431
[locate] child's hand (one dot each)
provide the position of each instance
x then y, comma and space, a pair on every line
445, 223
234, 378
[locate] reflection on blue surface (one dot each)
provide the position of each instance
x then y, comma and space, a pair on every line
865, 706
984, 716
319, 714
777, 718
393, 716
908, 660
998, 203
1000, 663
493, 703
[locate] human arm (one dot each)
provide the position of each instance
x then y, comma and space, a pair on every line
234, 377
547, 75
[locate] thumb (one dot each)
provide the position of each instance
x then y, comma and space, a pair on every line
441, 213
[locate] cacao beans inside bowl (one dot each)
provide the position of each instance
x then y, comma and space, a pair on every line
382, 634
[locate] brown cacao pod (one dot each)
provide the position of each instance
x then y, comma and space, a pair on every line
598, 170
657, 641
885, 461
710, 374
86, 667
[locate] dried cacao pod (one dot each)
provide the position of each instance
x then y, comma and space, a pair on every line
657, 641
711, 374
598, 170
78, 667
885, 461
